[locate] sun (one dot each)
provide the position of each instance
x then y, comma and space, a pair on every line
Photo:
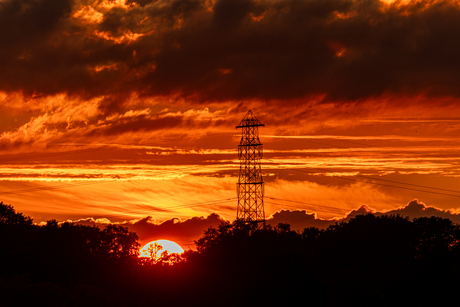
156, 248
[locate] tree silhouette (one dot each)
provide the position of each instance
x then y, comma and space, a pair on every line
117, 242
369, 261
9, 216
437, 237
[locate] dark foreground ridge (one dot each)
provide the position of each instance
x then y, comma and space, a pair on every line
368, 261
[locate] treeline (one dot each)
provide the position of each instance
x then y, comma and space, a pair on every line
368, 261
60, 264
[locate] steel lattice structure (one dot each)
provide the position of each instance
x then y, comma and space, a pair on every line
250, 187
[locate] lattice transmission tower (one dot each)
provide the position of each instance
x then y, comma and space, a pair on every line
250, 187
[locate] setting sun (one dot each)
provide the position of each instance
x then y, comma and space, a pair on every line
154, 249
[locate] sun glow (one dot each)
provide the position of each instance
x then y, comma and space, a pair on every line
155, 249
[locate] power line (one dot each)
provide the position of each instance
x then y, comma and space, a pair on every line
326, 208
320, 169
411, 184
199, 204
386, 180
373, 178
415, 187
385, 185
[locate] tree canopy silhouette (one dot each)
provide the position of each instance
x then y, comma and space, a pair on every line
9, 216
369, 260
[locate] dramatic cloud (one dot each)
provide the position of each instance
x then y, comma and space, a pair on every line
300, 219
123, 109
416, 209
184, 232
230, 49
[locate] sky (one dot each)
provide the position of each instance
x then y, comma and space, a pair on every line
125, 112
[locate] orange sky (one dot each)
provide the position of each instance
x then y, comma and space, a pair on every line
119, 110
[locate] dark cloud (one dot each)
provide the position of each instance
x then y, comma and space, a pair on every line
415, 209
236, 49
148, 123
299, 219
136, 124
184, 232
27, 22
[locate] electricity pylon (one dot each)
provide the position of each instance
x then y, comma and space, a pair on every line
250, 187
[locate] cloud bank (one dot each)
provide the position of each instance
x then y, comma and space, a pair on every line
300, 219
229, 49
185, 232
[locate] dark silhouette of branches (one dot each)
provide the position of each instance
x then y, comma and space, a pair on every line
9, 216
